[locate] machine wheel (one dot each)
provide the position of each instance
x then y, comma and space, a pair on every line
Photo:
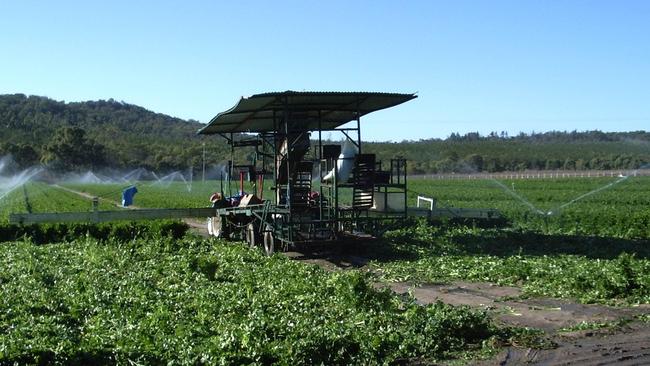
252, 234
218, 227
269, 242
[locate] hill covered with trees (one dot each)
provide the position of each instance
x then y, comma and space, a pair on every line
98, 134
103, 133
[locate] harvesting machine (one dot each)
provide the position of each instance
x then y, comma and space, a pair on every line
319, 191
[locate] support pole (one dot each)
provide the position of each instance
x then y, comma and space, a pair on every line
203, 175
358, 127
275, 158
288, 156
232, 159
288, 197
320, 168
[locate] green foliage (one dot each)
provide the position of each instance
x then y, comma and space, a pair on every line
170, 195
41, 197
620, 211
122, 231
198, 302
23, 154
132, 136
69, 149
140, 293
590, 150
584, 325
590, 271
643, 317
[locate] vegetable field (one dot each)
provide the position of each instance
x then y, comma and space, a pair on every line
41, 197
148, 293
607, 207
163, 300
593, 246
586, 269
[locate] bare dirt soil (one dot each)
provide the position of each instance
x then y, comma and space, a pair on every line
626, 344
629, 345
547, 314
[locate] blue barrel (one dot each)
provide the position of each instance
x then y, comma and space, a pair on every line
127, 196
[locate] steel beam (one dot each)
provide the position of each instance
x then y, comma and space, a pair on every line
107, 216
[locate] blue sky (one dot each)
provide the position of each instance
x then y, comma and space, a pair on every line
476, 65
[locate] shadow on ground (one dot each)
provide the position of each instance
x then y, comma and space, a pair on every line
505, 243
357, 252
411, 244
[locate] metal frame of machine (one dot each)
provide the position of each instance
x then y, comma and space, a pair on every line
284, 154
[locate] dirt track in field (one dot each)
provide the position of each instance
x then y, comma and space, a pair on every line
627, 344
89, 196
547, 314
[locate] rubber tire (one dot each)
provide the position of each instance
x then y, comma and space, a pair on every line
252, 235
269, 243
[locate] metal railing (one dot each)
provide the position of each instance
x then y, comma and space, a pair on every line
432, 202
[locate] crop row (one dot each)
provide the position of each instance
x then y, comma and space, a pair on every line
41, 197
170, 195
609, 207
193, 301
601, 270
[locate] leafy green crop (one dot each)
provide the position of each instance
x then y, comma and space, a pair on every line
165, 195
41, 197
119, 232
583, 325
620, 211
189, 301
589, 270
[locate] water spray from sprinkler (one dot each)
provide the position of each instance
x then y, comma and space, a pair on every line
518, 197
557, 210
9, 184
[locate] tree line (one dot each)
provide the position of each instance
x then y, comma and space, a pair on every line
498, 152
108, 133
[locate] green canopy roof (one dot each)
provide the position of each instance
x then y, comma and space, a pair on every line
263, 112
